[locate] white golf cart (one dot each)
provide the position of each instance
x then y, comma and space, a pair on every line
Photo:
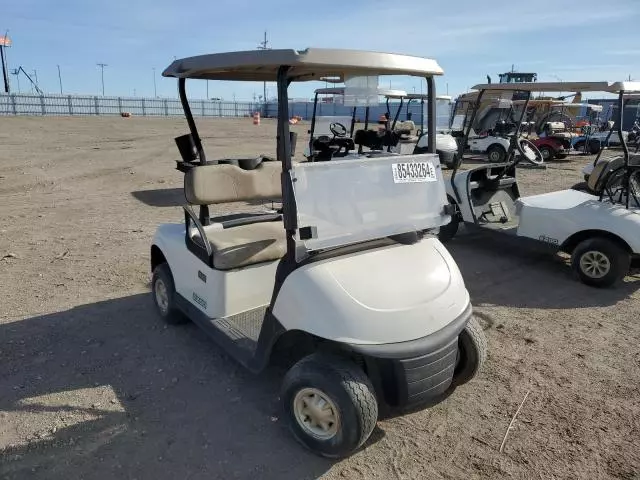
601, 229
491, 129
330, 138
368, 300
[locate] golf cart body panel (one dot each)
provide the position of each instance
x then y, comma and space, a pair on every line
235, 291
402, 304
557, 216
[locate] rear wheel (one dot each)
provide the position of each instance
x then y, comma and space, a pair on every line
330, 404
561, 156
496, 153
600, 262
472, 353
163, 292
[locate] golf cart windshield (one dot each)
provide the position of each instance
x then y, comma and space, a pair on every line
349, 201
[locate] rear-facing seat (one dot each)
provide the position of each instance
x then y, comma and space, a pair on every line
241, 245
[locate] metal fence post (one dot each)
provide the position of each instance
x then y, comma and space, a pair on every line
144, 112
13, 104
42, 107
95, 105
166, 107
120, 105
203, 108
70, 105
235, 108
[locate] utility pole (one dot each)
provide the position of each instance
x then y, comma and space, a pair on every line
155, 90
102, 65
264, 46
59, 79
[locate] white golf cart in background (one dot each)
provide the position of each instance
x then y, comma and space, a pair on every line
600, 228
490, 130
336, 136
367, 300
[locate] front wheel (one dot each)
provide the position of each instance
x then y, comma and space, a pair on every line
330, 404
600, 262
496, 154
472, 353
547, 153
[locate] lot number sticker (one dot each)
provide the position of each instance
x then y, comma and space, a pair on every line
413, 172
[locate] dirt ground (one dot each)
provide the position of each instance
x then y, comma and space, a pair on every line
93, 385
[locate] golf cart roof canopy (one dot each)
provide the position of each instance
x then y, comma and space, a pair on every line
309, 64
424, 96
614, 87
381, 91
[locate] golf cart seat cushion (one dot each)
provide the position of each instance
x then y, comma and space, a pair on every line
208, 184
247, 244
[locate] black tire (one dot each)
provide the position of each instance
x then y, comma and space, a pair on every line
170, 314
472, 353
594, 146
617, 258
561, 156
350, 390
581, 187
579, 145
496, 153
448, 231
546, 152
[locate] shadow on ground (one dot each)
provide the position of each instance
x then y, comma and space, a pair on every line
508, 271
161, 197
106, 391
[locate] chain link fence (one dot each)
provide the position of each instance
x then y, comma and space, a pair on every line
72, 105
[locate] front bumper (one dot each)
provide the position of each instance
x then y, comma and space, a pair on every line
408, 374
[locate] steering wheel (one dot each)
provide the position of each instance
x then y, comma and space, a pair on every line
529, 152
338, 129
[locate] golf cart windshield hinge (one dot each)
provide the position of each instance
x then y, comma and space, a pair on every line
307, 233
449, 209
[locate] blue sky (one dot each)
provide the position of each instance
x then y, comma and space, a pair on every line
560, 39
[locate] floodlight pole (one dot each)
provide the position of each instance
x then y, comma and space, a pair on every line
264, 46
102, 65
59, 79
155, 90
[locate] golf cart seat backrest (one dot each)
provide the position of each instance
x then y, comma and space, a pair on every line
224, 183
602, 171
407, 126
245, 244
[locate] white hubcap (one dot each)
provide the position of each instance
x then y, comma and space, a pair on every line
162, 297
316, 413
494, 156
595, 264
